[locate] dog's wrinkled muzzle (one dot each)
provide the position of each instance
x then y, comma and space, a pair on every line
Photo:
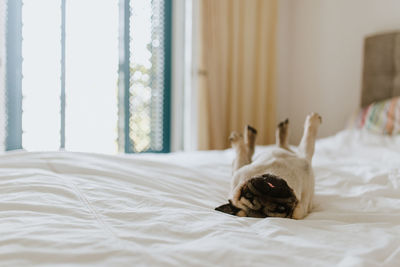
264, 196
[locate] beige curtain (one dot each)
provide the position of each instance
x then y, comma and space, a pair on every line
236, 72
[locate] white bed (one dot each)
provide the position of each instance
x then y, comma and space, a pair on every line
61, 208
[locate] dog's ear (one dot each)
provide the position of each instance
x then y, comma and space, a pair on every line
228, 208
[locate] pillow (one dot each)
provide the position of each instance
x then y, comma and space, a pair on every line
381, 117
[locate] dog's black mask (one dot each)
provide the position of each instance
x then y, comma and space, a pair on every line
277, 199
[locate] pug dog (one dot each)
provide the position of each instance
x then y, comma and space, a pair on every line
279, 182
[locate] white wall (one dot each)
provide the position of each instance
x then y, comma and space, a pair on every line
320, 54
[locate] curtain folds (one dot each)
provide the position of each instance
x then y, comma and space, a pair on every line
236, 70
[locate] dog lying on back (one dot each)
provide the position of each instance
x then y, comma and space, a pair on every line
279, 183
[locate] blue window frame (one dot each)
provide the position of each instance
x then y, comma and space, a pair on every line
149, 106
14, 75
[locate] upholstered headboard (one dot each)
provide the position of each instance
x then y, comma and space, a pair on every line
381, 76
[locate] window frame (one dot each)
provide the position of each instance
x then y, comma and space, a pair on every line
14, 77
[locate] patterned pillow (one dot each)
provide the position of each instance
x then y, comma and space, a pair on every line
381, 117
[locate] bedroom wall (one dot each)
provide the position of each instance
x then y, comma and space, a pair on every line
320, 57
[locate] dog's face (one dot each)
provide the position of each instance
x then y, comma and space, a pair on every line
264, 196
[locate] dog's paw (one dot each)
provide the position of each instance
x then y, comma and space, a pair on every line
250, 130
283, 124
282, 130
313, 120
235, 137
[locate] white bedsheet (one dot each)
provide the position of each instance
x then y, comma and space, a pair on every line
87, 209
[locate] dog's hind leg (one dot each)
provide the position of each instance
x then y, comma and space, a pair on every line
250, 135
244, 147
281, 135
307, 143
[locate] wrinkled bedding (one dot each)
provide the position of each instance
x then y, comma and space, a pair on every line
64, 208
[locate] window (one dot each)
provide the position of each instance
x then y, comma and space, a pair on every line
89, 75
